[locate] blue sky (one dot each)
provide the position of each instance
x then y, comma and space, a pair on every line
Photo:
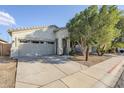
38, 15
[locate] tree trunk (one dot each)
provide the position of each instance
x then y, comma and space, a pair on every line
82, 49
100, 51
87, 53
103, 50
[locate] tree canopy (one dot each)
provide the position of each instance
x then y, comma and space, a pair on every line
95, 27
107, 31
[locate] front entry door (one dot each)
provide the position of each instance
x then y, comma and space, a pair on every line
56, 46
64, 41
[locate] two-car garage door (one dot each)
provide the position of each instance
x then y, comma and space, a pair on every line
35, 48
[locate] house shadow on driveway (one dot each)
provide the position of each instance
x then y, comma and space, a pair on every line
54, 59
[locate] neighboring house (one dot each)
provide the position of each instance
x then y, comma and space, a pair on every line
39, 41
4, 48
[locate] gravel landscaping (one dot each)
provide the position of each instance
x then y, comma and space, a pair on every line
93, 59
7, 72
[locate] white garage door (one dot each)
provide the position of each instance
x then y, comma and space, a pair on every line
36, 48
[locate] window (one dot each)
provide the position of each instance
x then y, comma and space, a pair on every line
50, 42
24, 41
34, 41
41, 42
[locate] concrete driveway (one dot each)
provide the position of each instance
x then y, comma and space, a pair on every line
45, 71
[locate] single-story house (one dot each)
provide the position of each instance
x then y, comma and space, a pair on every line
4, 48
39, 41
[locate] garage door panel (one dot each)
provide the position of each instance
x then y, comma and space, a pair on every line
36, 49
50, 48
41, 49
24, 50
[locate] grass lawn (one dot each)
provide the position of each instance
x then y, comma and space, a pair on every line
93, 59
7, 72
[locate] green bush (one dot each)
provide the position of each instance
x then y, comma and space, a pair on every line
119, 45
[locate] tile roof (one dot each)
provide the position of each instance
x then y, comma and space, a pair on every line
28, 28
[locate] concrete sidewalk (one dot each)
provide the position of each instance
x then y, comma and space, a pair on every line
104, 74
68, 73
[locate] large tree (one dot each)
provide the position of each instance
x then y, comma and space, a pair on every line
95, 27
82, 28
117, 42
107, 31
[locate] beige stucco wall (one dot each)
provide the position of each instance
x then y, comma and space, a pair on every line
62, 33
42, 33
45, 34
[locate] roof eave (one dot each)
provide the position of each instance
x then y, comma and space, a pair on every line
3, 41
63, 28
